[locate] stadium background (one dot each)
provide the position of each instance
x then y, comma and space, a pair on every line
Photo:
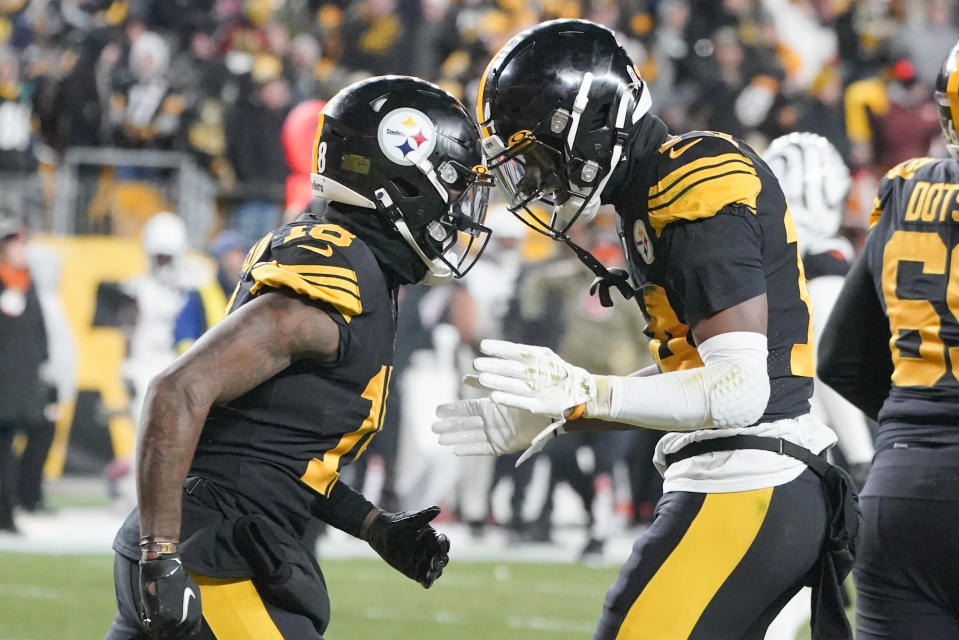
113, 111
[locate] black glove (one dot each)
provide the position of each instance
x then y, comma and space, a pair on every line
410, 545
170, 600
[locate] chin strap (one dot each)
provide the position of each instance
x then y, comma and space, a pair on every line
605, 278
615, 277
436, 272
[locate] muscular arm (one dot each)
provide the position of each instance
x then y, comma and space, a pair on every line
854, 357
250, 346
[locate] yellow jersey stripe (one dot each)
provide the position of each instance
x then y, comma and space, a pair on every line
335, 283
271, 274
321, 475
676, 176
696, 179
705, 198
717, 539
233, 609
322, 270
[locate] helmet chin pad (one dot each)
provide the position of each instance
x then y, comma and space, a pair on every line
575, 210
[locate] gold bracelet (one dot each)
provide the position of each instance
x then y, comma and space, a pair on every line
149, 544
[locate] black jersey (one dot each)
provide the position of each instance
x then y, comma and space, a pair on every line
705, 227
912, 253
281, 445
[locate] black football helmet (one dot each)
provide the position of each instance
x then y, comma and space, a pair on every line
947, 100
409, 150
555, 106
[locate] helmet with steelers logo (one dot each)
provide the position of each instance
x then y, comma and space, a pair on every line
555, 107
947, 100
410, 151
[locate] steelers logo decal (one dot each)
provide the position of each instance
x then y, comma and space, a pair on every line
644, 245
405, 133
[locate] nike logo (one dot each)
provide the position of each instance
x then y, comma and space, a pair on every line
675, 153
326, 252
187, 594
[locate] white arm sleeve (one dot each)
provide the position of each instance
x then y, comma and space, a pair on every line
731, 390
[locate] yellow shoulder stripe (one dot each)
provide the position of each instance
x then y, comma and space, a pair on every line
702, 188
334, 285
907, 169
696, 170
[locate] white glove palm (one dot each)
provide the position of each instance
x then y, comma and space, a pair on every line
483, 428
532, 378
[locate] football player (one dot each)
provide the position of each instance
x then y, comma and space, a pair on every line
245, 434
891, 347
815, 180
711, 248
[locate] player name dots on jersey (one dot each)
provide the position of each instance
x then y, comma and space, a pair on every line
933, 202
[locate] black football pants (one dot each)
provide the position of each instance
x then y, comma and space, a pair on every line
907, 568
717, 566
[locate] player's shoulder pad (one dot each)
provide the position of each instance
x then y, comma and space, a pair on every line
908, 169
698, 144
927, 169
698, 175
312, 259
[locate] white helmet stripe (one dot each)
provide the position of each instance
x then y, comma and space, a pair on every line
643, 105
579, 105
328, 189
427, 169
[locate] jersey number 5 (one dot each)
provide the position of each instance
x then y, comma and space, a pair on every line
918, 315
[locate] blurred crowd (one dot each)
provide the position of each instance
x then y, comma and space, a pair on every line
236, 84
217, 78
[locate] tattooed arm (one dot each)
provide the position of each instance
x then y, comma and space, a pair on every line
250, 346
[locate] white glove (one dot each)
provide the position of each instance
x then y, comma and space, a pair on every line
533, 378
481, 427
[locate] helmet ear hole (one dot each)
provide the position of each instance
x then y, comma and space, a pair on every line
405, 188
601, 119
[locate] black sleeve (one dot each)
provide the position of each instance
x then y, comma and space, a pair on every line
853, 354
713, 264
345, 508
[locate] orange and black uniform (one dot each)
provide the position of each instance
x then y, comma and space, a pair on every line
705, 227
269, 460
891, 347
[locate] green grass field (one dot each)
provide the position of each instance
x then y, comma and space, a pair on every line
47, 597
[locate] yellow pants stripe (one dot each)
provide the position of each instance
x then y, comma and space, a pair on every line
715, 542
234, 610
